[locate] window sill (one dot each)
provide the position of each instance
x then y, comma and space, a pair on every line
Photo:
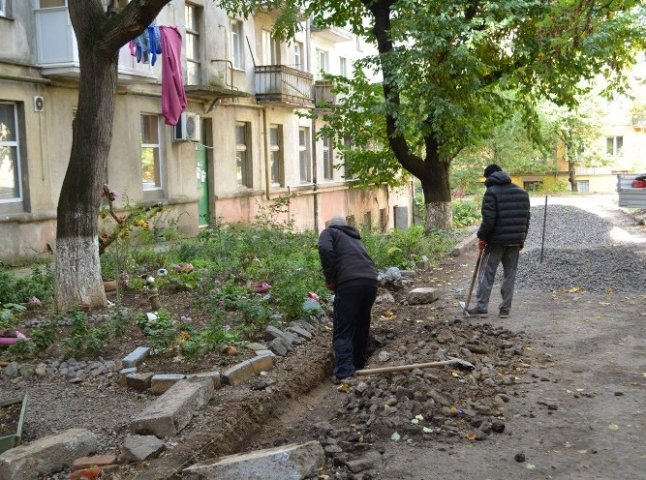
7, 18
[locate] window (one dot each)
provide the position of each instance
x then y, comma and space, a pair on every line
582, 186
276, 154
243, 154
328, 159
358, 45
270, 49
304, 154
11, 189
237, 49
343, 66
3, 8
191, 18
48, 3
614, 146
322, 63
151, 168
299, 62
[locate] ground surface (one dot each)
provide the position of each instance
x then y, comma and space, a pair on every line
564, 376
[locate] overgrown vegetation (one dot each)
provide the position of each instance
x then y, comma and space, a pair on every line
240, 279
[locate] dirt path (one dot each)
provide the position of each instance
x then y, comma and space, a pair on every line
578, 412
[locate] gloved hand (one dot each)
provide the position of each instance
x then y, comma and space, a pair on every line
330, 285
482, 244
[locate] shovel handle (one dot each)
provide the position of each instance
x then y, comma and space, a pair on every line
473, 280
402, 368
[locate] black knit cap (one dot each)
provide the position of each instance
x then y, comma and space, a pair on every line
491, 169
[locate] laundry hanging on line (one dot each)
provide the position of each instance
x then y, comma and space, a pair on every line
167, 41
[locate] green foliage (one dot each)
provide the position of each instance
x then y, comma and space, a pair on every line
84, 341
465, 213
20, 290
10, 314
404, 248
160, 331
554, 185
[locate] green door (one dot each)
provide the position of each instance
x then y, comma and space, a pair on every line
202, 173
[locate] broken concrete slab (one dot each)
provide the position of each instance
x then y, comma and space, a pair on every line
262, 363
137, 448
422, 295
301, 332
279, 346
241, 372
170, 413
135, 357
263, 353
139, 381
289, 462
46, 455
305, 326
161, 382
123, 375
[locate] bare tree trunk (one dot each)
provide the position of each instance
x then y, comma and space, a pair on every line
571, 170
78, 267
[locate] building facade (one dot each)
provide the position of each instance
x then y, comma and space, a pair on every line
242, 144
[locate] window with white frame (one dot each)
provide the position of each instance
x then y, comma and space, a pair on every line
3, 8
343, 66
304, 154
322, 63
237, 44
151, 158
299, 60
614, 146
270, 49
192, 14
11, 190
328, 159
276, 155
243, 154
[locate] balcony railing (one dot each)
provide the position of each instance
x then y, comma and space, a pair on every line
282, 84
323, 94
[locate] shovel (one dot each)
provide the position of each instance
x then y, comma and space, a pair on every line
462, 364
465, 305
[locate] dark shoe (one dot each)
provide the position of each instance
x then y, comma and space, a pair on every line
503, 314
476, 312
339, 381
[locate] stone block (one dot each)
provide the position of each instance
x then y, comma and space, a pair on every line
46, 455
421, 296
279, 346
262, 363
305, 326
214, 376
262, 353
289, 462
170, 413
135, 357
239, 373
123, 375
301, 332
137, 448
161, 382
139, 381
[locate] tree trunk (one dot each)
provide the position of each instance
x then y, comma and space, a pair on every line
78, 267
571, 168
437, 196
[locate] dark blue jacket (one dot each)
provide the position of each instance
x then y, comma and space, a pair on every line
343, 256
505, 212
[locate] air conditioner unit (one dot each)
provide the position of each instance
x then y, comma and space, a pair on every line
188, 128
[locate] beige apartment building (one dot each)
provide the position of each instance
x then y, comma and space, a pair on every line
240, 145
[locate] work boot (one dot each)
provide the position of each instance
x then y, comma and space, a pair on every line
503, 314
476, 312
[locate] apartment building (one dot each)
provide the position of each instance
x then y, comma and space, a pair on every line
240, 145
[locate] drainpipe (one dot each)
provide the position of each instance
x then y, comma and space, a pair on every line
265, 130
308, 34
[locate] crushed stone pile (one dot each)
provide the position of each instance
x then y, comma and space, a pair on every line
581, 252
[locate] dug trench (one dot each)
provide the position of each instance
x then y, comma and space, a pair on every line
297, 402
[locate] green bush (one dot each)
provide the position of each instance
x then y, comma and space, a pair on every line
19, 290
465, 213
160, 332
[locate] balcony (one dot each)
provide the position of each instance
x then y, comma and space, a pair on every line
639, 122
280, 84
57, 50
323, 94
332, 34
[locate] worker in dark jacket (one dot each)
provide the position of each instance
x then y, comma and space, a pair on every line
502, 233
350, 273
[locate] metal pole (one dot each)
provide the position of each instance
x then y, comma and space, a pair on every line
544, 222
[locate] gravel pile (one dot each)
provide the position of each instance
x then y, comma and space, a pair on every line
579, 253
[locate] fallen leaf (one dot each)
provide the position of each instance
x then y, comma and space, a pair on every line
531, 466
471, 436
455, 374
395, 437
419, 417
414, 421
613, 427
427, 430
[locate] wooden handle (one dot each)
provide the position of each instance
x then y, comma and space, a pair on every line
473, 280
402, 368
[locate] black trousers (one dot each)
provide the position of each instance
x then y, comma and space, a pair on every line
352, 309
